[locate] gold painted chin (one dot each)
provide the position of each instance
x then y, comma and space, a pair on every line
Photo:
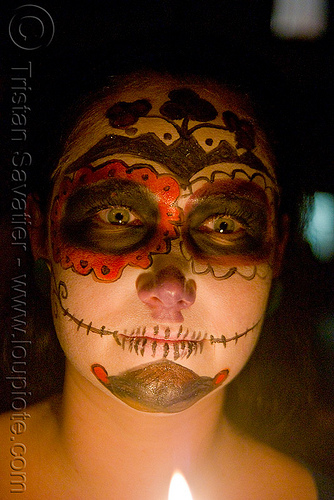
159, 387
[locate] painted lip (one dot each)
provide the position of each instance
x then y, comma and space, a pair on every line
162, 333
160, 386
178, 348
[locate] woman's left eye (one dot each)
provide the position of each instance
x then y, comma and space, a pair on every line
222, 224
118, 216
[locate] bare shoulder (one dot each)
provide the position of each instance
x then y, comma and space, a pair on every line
271, 474
251, 470
22, 435
290, 478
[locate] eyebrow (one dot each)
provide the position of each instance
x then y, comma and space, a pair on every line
183, 157
232, 189
116, 191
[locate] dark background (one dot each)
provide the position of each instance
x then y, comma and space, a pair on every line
97, 38
94, 39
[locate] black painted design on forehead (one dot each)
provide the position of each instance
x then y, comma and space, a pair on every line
185, 103
123, 114
184, 157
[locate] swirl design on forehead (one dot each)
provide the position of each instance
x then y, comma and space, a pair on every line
109, 267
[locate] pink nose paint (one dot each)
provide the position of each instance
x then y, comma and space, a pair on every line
166, 293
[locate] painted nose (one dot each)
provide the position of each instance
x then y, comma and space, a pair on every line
166, 293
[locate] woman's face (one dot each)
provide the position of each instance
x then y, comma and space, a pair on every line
162, 242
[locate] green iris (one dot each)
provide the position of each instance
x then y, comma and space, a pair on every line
118, 216
224, 225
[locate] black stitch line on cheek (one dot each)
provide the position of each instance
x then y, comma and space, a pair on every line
118, 342
187, 347
133, 341
223, 340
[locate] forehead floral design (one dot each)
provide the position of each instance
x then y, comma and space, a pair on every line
183, 156
123, 114
109, 267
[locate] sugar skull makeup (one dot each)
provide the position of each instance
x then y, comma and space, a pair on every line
162, 239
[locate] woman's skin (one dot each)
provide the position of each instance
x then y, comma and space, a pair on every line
162, 244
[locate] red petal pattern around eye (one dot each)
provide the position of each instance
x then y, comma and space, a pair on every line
110, 267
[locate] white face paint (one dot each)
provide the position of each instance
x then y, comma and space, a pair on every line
161, 276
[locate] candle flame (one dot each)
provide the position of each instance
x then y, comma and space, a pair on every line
179, 489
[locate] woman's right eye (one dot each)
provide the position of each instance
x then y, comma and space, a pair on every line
119, 216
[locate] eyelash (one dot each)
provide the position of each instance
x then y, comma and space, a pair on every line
132, 214
241, 215
95, 206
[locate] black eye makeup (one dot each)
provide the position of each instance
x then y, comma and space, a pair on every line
112, 217
228, 223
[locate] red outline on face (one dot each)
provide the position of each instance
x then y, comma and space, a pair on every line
110, 267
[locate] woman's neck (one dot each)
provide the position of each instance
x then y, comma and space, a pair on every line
105, 439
